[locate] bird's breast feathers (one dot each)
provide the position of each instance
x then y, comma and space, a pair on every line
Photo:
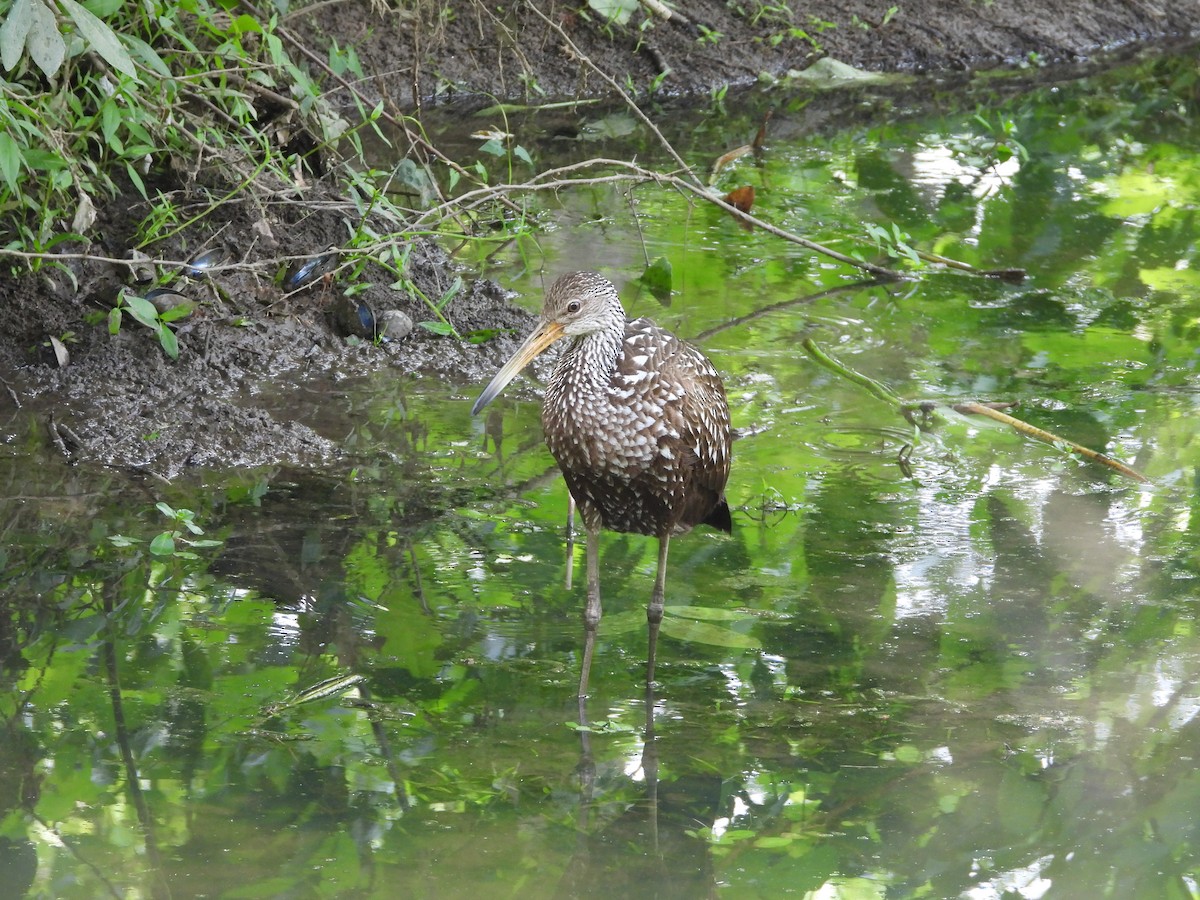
659, 407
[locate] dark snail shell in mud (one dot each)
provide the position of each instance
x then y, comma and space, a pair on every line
202, 263
353, 318
304, 272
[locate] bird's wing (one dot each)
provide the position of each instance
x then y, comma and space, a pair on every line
687, 389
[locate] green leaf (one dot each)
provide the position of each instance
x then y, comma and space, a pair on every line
245, 25
658, 278
104, 8
147, 142
147, 54
170, 343
442, 328
163, 545
521, 153
10, 159
101, 38
450, 293
483, 335
710, 613
773, 841
13, 32
136, 178
142, 310
46, 46
110, 121
178, 311
704, 633
114, 320
493, 147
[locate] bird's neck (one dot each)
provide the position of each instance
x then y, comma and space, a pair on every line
592, 357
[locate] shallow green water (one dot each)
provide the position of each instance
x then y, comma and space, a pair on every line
973, 673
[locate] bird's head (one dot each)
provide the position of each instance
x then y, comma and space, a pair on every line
577, 305
582, 303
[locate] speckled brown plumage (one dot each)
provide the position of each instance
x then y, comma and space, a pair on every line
636, 418
638, 422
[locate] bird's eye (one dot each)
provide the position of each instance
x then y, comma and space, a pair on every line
573, 306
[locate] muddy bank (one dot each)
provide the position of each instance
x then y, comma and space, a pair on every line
534, 53
120, 401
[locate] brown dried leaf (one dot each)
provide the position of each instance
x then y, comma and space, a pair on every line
741, 198
61, 355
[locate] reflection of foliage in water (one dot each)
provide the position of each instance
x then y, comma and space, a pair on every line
977, 680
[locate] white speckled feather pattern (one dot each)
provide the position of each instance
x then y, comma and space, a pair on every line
637, 418
639, 424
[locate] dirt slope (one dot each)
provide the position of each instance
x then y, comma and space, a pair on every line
519, 52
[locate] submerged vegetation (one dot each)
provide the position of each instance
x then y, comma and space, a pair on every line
961, 668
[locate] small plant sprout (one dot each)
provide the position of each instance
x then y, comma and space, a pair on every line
166, 543
147, 314
893, 242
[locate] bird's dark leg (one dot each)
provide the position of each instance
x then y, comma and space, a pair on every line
570, 539
650, 768
591, 613
654, 612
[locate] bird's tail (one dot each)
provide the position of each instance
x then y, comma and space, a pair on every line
719, 518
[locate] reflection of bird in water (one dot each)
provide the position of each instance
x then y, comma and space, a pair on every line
638, 422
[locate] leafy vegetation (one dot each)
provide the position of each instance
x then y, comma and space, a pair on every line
144, 311
973, 677
112, 95
175, 102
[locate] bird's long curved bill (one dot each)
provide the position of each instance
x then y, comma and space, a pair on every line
545, 335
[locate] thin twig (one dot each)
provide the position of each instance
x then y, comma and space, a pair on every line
167, 263
1012, 276
612, 83
873, 387
552, 180
970, 407
738, 321
273, 96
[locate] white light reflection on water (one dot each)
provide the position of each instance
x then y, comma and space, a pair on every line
1026, 881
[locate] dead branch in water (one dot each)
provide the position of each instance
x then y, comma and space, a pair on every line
932, 408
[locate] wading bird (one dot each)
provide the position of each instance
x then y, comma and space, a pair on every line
638, 422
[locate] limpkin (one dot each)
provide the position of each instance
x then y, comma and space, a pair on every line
638, 422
